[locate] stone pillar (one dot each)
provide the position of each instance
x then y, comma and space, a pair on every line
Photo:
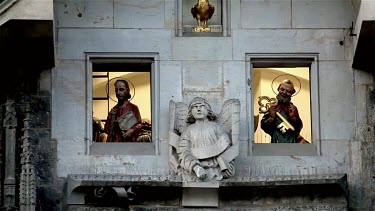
10, 124
27, 179
224, 13
179, 18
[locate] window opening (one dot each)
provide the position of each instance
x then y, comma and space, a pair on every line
104, 76
265, 71
266, 81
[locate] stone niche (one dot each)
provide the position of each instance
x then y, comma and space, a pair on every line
218, 23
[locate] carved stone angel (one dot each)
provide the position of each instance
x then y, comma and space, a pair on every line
203, 145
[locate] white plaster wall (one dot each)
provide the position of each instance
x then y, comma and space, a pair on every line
322, 41
80, 14
265, 14
336, 100
322, 14
72, 43
68, 102
202, 48
170, 89
235, 87
211, 67
139, 14
69, 113
29, 10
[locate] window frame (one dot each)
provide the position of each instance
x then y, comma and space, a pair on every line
260, 59
4, 5
96, 148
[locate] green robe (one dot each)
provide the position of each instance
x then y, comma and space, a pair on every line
276, 135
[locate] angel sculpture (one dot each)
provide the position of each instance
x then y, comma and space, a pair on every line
203, 145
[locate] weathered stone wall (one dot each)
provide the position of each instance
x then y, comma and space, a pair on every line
49, 189
49, 186
219, 63
188, 62
369, 155
32, 98
362, 176
361, 154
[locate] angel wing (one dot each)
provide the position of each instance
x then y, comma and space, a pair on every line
229, 119
177, 117
177, 124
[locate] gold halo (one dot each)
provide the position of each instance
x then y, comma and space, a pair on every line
277, 81
111, 83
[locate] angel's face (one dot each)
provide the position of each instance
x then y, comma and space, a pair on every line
199, 111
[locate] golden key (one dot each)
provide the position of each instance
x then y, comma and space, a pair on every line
285, 125
265, 107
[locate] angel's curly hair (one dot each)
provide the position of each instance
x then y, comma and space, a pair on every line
211, 115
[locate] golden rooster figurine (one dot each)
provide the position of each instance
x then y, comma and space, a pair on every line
202, 11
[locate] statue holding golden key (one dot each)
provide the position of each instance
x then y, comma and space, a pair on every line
281, 119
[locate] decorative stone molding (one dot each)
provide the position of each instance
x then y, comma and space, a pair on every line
10, 124
27, 179
10, 120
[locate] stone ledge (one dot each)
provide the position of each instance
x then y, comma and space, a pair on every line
340, 179
123, 180
78, 182
274, 208
171, 180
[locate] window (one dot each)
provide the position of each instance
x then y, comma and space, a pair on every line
267, 71
139, 71
219, 22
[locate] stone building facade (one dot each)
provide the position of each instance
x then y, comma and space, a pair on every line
50, 95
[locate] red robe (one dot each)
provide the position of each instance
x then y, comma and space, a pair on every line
112, 129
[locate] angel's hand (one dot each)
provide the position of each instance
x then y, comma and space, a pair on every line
200, 172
